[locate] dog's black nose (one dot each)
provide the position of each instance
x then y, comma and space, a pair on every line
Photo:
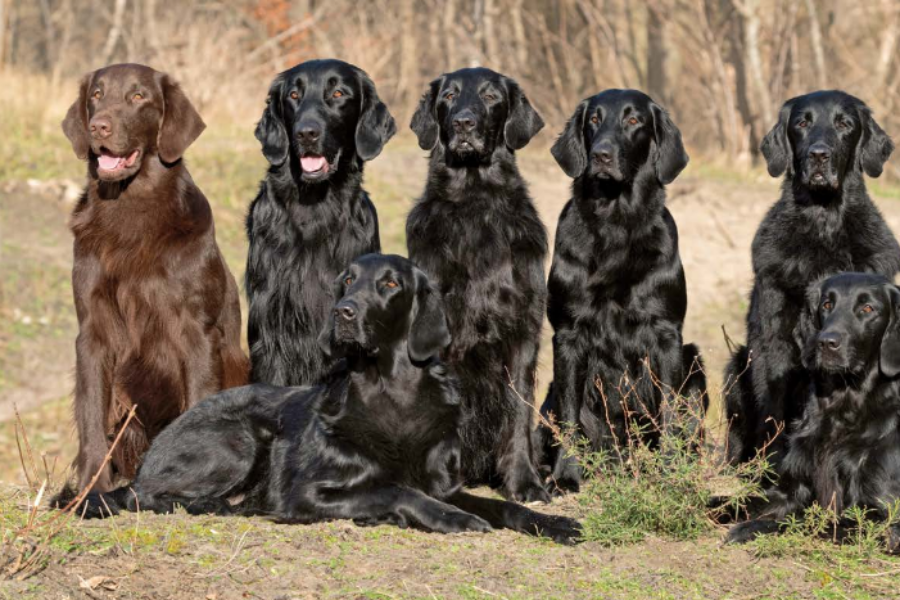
464, 122
345, 311
819, 152
829, 340
603, 153
309, 132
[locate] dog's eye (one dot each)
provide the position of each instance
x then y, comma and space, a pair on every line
867, 308
294, 95
348, 281
841, 124
391, 284
595, 119
96, 94
449, 95
489, 97
802, 124
632, 121
138, 96
828, 305
337, 94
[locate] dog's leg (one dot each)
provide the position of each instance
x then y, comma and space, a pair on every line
515, 464
568, 383
509, 515
392, 504
92, 400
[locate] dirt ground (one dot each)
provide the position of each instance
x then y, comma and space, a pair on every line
148, 556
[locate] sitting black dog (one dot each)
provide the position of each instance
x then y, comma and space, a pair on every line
617, 293
477, 234
378, 442
845, 451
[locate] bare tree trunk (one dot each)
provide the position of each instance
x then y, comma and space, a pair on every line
4, 23
450, 26
406, 73
735, 35
815, 38
49, 34
749, 9
656, 55
115, 31
518, 26
491, 55
888, 43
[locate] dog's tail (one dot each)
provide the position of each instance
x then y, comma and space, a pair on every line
694, 385
543, 444
97, 505
740, 406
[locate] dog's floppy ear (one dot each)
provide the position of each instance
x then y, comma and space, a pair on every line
428, 331
376, 125
671, 157
808, 325
875, 146
889, 359
181, 123
75, 125
326, 336
523, 122
423, 123
270, 130
776, 147
569, 149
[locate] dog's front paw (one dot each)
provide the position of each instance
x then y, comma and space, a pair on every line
561, 530
458, 522
750, 530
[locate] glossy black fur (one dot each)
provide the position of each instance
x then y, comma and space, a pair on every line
476, 232
305, 228
845, 450
617, 292
824, 223
378, 442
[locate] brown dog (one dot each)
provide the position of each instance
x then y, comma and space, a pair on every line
158, 312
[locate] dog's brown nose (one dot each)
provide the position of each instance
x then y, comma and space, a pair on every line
101, 127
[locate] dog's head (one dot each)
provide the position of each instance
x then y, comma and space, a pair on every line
385, 304
323, 115
125, 113
616, 134
471, 113
821, 138
851, 326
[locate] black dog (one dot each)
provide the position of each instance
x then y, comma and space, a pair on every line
845, 451
378, 443
478, 236
617, 294
322, 121
823, 224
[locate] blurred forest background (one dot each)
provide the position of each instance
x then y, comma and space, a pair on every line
722, 67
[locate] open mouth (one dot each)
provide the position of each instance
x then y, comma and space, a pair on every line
111, 164
314, 165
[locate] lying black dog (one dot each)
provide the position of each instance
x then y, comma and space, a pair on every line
323, 120
823, 224
845, 451
478, 236
377, 443
617, 294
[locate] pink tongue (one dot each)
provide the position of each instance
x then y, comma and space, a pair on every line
108, 162
311, 164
